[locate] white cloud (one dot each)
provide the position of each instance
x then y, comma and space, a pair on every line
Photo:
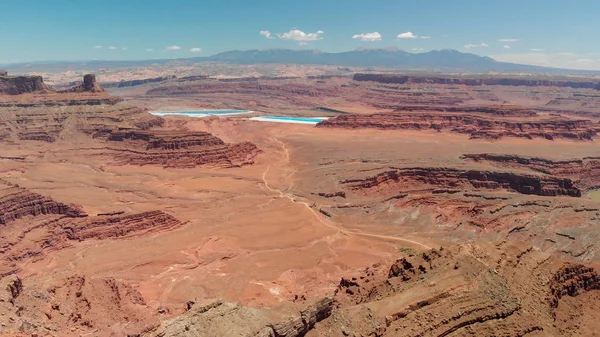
298, 35
407, 35
173, 48
536, 49
112, 47
417, 49
375, 36
558, 60
506, 46
266, 33
97, 47
124, 48
149, 49
426, 37
196, 50
508, 40
481, 45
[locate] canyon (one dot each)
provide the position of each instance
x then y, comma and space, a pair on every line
422, 206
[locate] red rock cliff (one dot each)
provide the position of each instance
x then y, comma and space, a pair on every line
16, 85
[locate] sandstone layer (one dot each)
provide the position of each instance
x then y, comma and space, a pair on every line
396, 79
89, 85
403, 179
586, 171
16, 85
475, 126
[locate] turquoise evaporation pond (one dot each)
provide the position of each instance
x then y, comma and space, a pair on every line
295, 119
200, 113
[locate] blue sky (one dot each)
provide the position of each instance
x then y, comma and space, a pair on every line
549, 32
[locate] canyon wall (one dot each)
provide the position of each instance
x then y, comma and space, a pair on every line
17, 85
403, 179
474, 125
402, 79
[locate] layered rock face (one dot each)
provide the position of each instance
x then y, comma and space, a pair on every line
218, 318
34, 224
166, 140
86, 94
400, 79
17, 202
454, 292
89, 85
180, 149
475, 126
92, 112
17, 85
51, 124
573, 280
104, 306
586, 171
133, 83
494, 110
405, 178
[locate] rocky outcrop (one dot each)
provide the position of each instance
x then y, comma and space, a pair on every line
17, 85
49, 125
400, 79
33, 224
476, 126
66, 101
243, 94
45, 234
494, 110
179, 149
586, 170
3, 73
227, 155
133, 83
115, 226
72, 306
89, 85
17, 202
166, 140
218, 318
403, 179
573, 280
445, 292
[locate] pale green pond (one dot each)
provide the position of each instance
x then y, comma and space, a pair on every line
594, 195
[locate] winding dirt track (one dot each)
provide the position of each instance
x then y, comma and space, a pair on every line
333, 226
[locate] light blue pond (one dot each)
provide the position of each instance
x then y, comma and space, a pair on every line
201, 113
285, 119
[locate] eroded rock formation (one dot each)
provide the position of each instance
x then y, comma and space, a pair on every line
494, 110
17, 85
179, 149
17, 202
475, 126
89, 85
218, 318
573, 280
79, 304
403, 179
133, 83
418, 297
401, 79
586, 171
33, 224
49, 125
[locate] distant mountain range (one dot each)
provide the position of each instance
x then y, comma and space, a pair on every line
436, 60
